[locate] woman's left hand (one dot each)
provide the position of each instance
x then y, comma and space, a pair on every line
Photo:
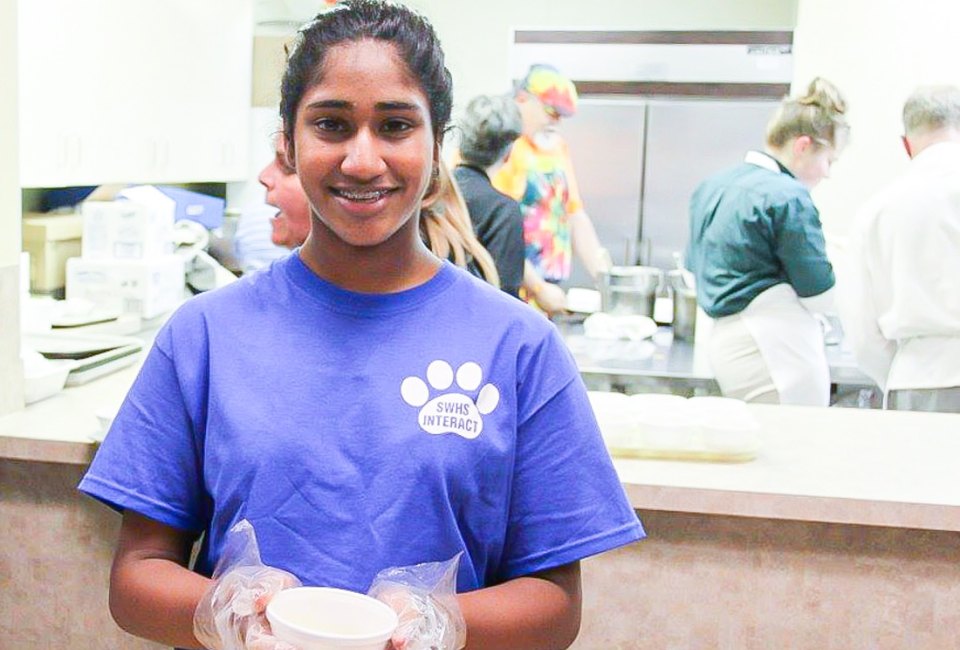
424, 622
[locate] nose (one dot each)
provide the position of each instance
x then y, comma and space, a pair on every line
363, 159
268, 175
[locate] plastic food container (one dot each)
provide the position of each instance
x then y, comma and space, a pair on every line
727, 426
42, 378
614, 417
325, 618
665, 422
44, 383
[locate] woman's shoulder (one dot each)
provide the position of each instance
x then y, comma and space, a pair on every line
234, 300
762, 187
483, 297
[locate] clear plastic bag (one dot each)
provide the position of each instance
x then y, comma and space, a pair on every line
425, 599
230, 616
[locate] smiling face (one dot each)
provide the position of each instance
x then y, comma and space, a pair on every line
363, 145
291, 225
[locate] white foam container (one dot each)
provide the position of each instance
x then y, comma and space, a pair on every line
325, 618
665, 422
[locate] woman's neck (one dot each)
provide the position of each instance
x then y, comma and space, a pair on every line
399, 263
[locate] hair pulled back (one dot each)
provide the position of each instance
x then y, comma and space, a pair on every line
446, 227
820, 115
355, 20
488, 128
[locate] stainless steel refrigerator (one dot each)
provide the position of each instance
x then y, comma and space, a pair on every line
638, 160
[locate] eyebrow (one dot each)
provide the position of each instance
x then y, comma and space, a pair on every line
341, 104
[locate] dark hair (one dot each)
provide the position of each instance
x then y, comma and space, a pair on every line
489, 126
356, 20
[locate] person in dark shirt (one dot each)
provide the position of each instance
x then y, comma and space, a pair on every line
489, 127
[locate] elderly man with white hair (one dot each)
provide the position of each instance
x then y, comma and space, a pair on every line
902, 300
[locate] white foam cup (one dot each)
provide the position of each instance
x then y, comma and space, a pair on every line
325, 618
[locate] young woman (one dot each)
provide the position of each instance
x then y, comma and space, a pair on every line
758, 253
415, 412
445, 223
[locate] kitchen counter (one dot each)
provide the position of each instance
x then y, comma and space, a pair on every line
852, 466
64, 428
860, 466
662, 359
846, 520
840, 534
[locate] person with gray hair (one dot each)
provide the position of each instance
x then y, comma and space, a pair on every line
488, 129
901, 306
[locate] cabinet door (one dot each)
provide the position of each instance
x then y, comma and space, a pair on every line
126, 91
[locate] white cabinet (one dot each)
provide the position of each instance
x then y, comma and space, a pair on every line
133, 91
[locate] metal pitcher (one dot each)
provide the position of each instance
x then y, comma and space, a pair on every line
629, 289
684, 305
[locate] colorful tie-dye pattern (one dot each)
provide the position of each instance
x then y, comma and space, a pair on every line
552, 88
544, 185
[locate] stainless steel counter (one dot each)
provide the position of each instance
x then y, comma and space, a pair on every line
676, 365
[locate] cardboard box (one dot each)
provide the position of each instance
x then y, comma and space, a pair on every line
148, 287
51, 240
127, 229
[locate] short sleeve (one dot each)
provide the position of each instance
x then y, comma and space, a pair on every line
567, 502
801, 248
149, 461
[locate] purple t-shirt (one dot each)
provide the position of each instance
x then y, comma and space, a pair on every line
361, 431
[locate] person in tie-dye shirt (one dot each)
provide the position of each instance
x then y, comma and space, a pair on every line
539, 175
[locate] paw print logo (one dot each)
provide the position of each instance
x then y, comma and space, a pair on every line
451, 412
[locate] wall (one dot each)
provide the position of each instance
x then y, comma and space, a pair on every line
11, 376
476, 38
875, 66
476, 35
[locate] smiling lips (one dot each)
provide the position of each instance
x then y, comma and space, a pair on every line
362, 196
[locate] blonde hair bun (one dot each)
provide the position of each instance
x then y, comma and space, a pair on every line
819, 115
825, 95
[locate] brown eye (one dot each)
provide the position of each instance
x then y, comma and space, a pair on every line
396, 127
330, 125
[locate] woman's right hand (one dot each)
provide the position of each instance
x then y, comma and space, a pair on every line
231, 615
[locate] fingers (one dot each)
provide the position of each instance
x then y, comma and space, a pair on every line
231, 614
260, 638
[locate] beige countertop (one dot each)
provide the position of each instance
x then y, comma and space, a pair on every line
857, 466
64, 428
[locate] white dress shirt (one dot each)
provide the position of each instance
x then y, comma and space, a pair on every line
901, 290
